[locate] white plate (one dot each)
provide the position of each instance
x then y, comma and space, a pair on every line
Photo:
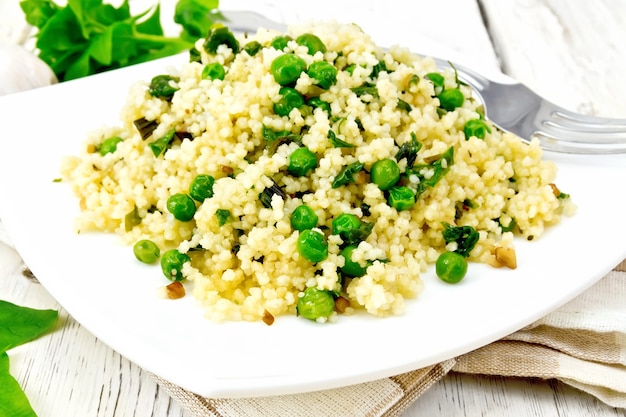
101, 286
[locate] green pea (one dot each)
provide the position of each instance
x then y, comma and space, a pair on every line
318, 103
280, 42
314, 304
213, 71
146, 251
437, 80
350, 267
163, 86
109, 145
181, 206
286, 68
313, 43
301, 162
172, 263
303, 218
289, 99
451, 267
324, 73
385, 173
201, 187
220, 35
401, 197
477, 128
450, 99
344, 224
312, 245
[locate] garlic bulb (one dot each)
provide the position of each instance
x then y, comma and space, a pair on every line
21, 70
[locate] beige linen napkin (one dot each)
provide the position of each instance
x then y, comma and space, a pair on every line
582, 344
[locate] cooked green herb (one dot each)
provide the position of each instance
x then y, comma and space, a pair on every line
439, 167
509, 227
223, 216
266, 195
409, 151
131, 219
403, 105
366, 89
346, 175
274, 138
145, 127
318, 103
466, 237
336, 142
159, 145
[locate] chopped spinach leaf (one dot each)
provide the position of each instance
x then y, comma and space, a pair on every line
223, 216
266, 195
336, 142
409, 151
346, 175
466, 237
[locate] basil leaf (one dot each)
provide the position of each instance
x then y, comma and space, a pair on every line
13, 401
19, 325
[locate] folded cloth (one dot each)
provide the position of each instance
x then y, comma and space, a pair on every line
582, 344
387, 397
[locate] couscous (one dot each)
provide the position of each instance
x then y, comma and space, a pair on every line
308, 173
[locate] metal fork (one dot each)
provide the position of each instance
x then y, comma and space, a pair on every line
511, 106
516, 108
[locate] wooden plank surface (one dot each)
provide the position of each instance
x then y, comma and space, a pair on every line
570, 51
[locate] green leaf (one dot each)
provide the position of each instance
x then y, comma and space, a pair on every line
13, 401
19, 324
151, 25
196, 16
88, 36
61, 33
38, 12
81, 67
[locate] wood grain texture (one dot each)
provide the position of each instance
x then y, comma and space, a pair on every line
572, 52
